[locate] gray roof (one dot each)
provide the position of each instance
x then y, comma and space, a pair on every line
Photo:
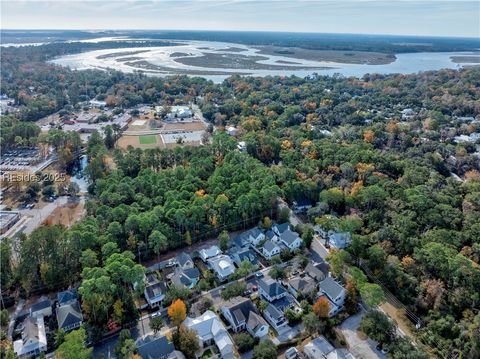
42, 304
271, 287
240, 308
318, 348
315, 271
155, 289
254, 232
269, 245
186, 277
66, 296
152, 347
303, 285
274, 312
30, 330
270, 234
330, 287
246, 254
255, 321
183, 258
69, 314
289, 237
282, 227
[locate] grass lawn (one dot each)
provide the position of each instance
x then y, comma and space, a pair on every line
148, 139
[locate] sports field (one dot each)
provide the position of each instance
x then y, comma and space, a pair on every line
147, 139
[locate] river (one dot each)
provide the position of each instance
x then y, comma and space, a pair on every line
161, 61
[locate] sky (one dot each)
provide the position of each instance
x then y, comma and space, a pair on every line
394, 17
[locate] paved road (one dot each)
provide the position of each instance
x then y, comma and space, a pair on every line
360, 348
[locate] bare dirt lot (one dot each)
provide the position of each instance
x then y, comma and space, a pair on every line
184, 126
67, 214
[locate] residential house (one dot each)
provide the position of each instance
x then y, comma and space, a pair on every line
69, 316
42, 308
271, 290
339, 240
275, 317
153, 347
186, 277
66, 297
253, 237
302, 286
278, 229
184, 261
210, 330
271, 236
34, 339
154, 294
320, 348
291, 240
317, 271
239, 255
333, 290
301, 205
210, 252
222, 265
291, 353
269, 249
242, 314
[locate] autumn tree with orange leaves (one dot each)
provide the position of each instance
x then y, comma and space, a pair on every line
321, 307
177, 311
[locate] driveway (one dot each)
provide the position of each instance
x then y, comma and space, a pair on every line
360, 348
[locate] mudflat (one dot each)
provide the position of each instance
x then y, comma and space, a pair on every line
344, 57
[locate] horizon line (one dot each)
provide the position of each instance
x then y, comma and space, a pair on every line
246, 31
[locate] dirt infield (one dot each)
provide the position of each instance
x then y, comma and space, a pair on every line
184, 126
134, 141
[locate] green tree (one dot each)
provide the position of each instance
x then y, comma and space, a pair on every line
307, 235
73, 346
244, 342
223, 240
372, 294
186, 340
265, 350
378, 327
312, 323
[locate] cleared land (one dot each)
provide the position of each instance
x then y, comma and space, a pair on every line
344, 57
148, 139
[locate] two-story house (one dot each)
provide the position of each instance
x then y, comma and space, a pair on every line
275, 317
242, 314
184, 261
154, 294
333, 290
269, 249
291, 240
34, 338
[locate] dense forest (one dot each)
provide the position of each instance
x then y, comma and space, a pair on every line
407, 191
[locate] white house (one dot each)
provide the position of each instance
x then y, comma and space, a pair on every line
253, 236
184, 261
291, 240
242, 314
43, 308
210, 330
69, 316
278, 229
34, 339
275, 317
223, 266
269, 249
333, 290
339, 240
210, 252
155, 293
271, 290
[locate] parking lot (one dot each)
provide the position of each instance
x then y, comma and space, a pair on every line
21, 159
